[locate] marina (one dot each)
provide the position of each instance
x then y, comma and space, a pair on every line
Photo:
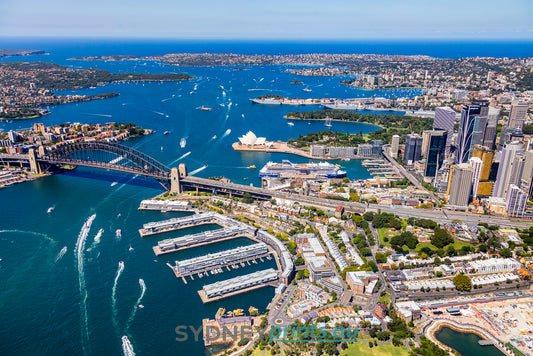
227, 288
215, 262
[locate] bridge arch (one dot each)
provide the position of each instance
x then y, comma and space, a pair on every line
107, 155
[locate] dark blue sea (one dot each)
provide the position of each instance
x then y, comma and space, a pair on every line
81, 302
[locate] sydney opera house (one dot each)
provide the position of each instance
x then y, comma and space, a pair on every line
250, 139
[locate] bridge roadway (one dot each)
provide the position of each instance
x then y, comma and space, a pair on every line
402, 211
219, 187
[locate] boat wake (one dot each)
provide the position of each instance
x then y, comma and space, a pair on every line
96, 239
127, 348
198, 170
113, 294
136, 306
160, 113
79, 254
103, 115
180, 158
226, 133
260, 89
45, 236
61, 254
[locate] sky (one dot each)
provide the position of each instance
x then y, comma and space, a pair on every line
269, 19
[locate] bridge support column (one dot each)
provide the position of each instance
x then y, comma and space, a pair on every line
175, 184
34, 166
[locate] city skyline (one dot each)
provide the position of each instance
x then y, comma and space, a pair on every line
273, 20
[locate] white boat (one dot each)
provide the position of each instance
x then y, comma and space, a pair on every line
307, 90
50, 210
131, 248
290, 124
141, 306
214, 137
118, 233
183, 142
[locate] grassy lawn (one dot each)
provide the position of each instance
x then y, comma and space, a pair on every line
456, 244
385, 299
361, 348
385, 232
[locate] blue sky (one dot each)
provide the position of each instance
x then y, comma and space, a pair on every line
269, 19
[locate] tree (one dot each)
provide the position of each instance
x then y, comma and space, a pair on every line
368, 216
462, 282
506, 252
291, 246
381, 258
441, 238
247, 198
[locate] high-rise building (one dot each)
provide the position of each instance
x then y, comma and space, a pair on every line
509, 152
413, 147
518, 114
509, 134
445, 120
478, 133
435, 152
517, 166
395, 145
426, 134
527, 171
486, 155
476, 163
460, 185
516, 201
466, 129
489, 139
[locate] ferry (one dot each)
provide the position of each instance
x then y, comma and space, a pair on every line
288, 169
118, 233
126, 347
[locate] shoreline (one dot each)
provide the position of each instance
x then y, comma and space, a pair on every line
334, 120
436, 327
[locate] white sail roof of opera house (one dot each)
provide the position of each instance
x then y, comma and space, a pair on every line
251, 139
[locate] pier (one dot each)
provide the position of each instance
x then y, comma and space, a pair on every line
217, 261
202, 238
165, 205
242, 284
159, 227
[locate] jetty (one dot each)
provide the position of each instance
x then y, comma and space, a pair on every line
159, 227
241, 284
165, 205
217, 261
203, 238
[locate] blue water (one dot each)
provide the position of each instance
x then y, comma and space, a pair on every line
50, 307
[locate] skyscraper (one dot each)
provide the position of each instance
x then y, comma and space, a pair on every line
510, 134
476, 163
460, 185
517, 166
486, 155
466, 129
489, 139
395, 146
445, 120
509, 152
516, 201
435, 152
413, 147
527, 171
518, 114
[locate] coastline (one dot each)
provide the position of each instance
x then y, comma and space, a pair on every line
436, 327
334, 120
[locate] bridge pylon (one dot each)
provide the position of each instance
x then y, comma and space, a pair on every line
175, 184
35, 168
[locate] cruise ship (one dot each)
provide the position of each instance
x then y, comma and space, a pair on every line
267, 101
287, 169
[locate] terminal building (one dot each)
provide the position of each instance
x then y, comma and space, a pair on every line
220, 258
222, 288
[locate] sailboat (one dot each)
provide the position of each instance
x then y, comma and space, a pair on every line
328, 122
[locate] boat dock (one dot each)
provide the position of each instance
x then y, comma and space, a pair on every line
242, 284
215, 262
165, 205
159, 227
202, 238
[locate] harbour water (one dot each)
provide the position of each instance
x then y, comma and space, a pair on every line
466, 344
56, 301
